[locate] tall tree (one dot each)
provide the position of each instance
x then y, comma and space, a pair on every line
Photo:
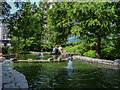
28, 23
59, 23
94, 21
117, 23
5, 9
25, 24
41, 17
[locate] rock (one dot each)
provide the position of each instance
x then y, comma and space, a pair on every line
50, 59
69, 58
59, 59
13, 59
30, 59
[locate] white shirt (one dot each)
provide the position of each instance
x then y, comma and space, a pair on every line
60, 48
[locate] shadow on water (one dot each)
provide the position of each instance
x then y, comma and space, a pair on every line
56, 75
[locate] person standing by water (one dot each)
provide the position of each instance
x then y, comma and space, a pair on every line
55, 50
60, 48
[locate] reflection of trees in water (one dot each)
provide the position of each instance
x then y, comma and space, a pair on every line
41, 75
31, 72
87, 78
109, 78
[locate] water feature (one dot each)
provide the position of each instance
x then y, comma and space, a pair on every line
41, 55
33, 57
54, 75
69, 65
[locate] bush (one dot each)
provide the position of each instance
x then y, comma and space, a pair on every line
90, 53
78, 49
110, 53
5, 50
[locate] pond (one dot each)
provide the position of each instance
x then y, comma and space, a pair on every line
56, 75
40, 57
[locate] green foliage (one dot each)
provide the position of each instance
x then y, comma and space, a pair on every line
48, 46
5, 8
110, 53
17, 45
59, 24
28, 24
90, 53
40, 28
94, 21
77, 49
5, 50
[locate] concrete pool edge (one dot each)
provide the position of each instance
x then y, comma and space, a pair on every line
99, 61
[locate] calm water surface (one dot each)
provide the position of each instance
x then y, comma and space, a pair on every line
38, 57
56, 75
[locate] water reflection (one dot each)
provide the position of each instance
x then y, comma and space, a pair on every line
54, 75
41, 56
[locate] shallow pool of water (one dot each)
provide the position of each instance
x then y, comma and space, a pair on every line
39, 57
56, 75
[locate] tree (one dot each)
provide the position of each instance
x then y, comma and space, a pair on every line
25, 24
28, 24
5, 9
41, 17
117, 24
94, 21
58, 23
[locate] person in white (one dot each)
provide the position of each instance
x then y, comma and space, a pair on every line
60, 49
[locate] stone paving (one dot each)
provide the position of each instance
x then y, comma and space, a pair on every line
12, 79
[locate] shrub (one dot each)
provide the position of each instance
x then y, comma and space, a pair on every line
5, 50
90, 53
110, 53
78, 49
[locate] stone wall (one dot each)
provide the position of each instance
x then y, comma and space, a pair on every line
94, 60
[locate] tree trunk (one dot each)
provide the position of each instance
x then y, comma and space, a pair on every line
39, 47
18, 48
25, 49
98, 48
